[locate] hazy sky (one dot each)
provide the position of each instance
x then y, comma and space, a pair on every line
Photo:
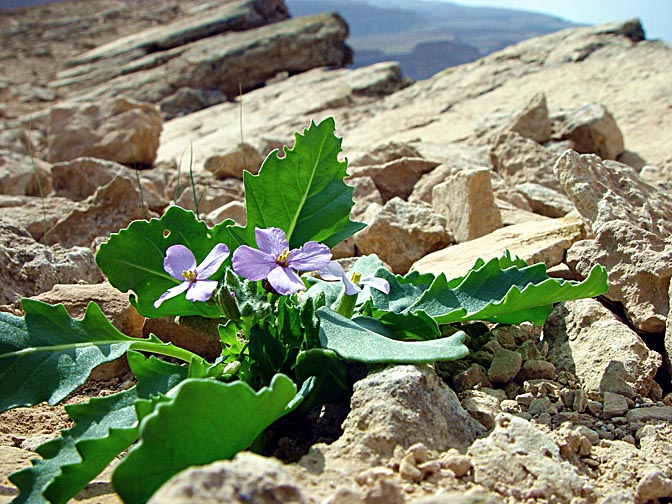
655, 15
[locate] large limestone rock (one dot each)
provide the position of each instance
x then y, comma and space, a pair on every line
112, 59
534, 241
521, 462
23, 176
396, 177
232, 62
401, 233
467, 202
117, 129
533, 121
606, 355
31, 268
519, 159
632, 225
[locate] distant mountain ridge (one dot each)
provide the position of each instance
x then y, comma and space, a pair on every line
427, 36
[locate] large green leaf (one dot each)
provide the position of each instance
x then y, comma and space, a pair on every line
302, 193
368, 343
204, 421
132, 260
105, 426
504, 290
46, 355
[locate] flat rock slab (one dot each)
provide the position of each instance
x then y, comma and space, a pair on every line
539, 241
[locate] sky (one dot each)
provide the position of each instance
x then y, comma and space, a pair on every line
655, 15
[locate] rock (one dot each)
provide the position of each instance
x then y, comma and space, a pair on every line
505, 365
483, 407
248, 477
545, 201
467, 202
364, 194
591, 130
639, 263
604, 191
536, 369
111, 208
187, 100
232, 210
384, 153
521, 462
630, 219
31, 268
471, 377
396, 177
23, 176
193, 333
117, 129
402, 232
231, 62
401, 406
613, 405
533, 121
587, 340
35, 215
660, 176
233, 161
211, 194
538, 241
668, 338
652, 414
653, 486
520, 160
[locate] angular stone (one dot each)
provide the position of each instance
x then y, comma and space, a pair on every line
520, 159
80, 178
117, 129
521, 462
613, 405
34, 214
470, 377
467, 202
591, 130
403, 232
505, 365
232, 162
545, 201
396, 177
364, 194
232, 210
652, 414
482, 407
23, 176
536, 369
604, 354
533, 121
539, 241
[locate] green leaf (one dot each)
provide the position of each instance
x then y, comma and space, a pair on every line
47, 355
204, 421
132, 260
354, 341
302, 193
504, 290
105, 426
332, 381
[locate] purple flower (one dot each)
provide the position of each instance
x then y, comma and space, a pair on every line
180, 264
276, 263
334, 272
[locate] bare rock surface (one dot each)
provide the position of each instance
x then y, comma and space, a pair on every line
22, 176
396, 177
535, 241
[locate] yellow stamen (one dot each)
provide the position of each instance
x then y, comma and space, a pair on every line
356, 277
189, 275
283, 257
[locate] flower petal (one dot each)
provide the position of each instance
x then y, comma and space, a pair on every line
201, 290
271, 240
251, 263
171, 293
332, 272
312, 256
212, 261
285, 280
377, 283
178, 259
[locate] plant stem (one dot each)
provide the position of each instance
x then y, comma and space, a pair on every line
167, 349
346, 305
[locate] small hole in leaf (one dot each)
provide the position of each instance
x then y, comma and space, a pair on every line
166, 233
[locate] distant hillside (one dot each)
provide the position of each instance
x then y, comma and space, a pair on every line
428, 36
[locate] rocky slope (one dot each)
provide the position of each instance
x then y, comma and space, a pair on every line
557, 148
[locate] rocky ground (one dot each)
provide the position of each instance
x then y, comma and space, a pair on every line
557, 148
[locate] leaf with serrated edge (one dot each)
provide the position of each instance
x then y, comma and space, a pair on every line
302, 193
132, 260
204, 421
358, 343
105, 426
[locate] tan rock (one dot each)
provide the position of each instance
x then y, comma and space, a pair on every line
541, 241
232, 162
605, 354
533, 121
545, 201
118, 129
364, 194
592, 130
396, 177
211, 194
467, 202
34, 214
232, 210
80, 178
401, 233
23, 176
519, 159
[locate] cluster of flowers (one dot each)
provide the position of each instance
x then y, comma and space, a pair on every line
272, 261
